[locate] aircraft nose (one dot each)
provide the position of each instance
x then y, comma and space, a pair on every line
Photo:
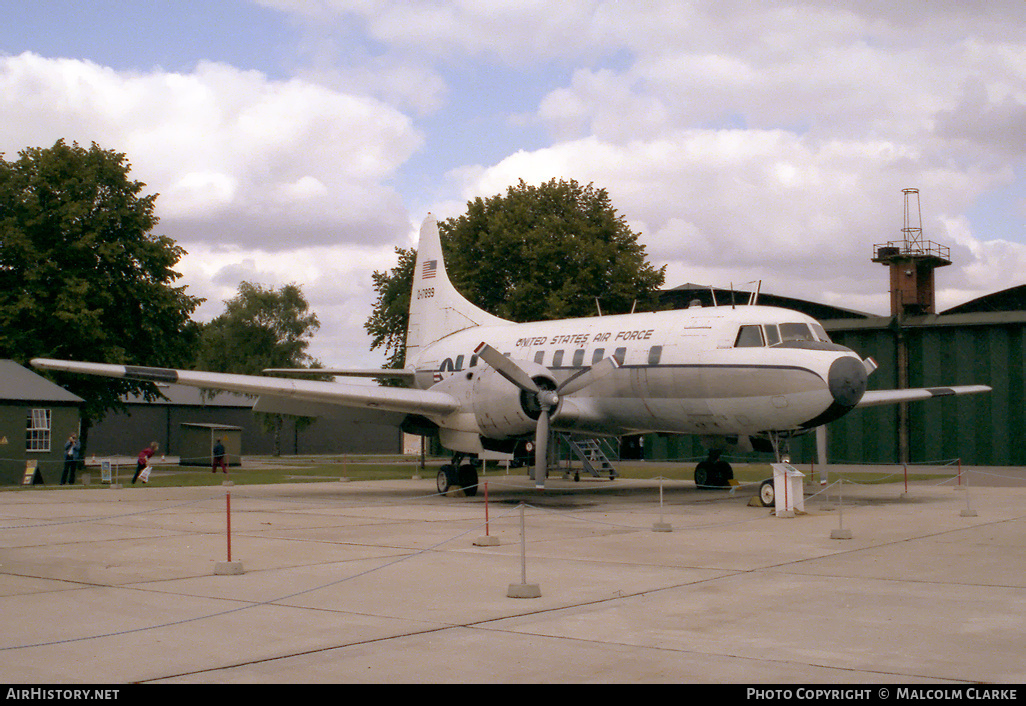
847, 381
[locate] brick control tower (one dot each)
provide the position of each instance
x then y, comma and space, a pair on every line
912, 261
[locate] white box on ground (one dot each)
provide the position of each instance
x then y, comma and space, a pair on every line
788, 494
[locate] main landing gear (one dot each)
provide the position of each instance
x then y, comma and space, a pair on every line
713, 472
458, 475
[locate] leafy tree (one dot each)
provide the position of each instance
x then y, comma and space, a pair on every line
535, 253
389, 320
548, 252
81, 274
260, 328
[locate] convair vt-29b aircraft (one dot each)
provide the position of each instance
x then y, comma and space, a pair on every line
740, 377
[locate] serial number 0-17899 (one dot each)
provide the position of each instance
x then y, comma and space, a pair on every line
426, 293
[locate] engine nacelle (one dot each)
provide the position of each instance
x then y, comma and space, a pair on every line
503, 410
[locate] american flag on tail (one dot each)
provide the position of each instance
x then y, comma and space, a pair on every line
430, 267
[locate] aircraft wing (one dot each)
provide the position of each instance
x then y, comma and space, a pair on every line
401, 374
316, 393
873, 398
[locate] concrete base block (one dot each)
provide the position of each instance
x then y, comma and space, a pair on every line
228, 568
840, 534
227, 482
486, 541
968, 513
524, 590
662, 527
115, 486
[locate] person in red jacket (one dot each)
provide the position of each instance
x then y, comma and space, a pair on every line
144, 459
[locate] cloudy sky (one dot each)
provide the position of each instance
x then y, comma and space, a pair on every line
301, 141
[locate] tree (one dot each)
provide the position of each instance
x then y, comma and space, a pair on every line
548, 252
81, 274
260, 328
389, 320
535, 253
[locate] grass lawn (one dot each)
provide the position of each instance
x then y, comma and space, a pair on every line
292, 469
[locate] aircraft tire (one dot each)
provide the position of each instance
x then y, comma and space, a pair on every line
445, 479
767, 493
702, 475
468, 479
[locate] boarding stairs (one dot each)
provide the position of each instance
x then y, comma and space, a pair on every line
593, 454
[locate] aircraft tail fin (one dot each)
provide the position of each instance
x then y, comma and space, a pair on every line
436, 308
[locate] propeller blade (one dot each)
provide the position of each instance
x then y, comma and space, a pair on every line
541, 449
587, 376
870, 365
506, 368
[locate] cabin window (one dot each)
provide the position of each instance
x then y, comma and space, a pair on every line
796, 332
539, 357
473, 361
821, 333
578, 357
749, 337
772, 334
620, 355
654, 354
459, 362
557, 359
37, 430
598, 355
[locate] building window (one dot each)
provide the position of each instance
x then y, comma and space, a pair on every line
37, 433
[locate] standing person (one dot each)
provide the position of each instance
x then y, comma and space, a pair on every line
72, 449
144, 459
219, 461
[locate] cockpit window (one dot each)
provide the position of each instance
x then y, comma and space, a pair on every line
772, 334
821, 333
796, 332
749, 337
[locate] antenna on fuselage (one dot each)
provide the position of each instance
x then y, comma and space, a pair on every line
754, 298
732, 304
598, 306
713, 292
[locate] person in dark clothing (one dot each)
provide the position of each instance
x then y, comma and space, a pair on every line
219, 461
72, 450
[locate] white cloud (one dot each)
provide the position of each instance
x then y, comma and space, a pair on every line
722, 206
236, 156
336, 281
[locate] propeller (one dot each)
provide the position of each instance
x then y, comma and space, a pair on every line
546, 399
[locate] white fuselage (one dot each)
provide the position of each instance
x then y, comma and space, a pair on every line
683, 371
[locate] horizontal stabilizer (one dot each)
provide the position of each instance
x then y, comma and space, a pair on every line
873, 398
